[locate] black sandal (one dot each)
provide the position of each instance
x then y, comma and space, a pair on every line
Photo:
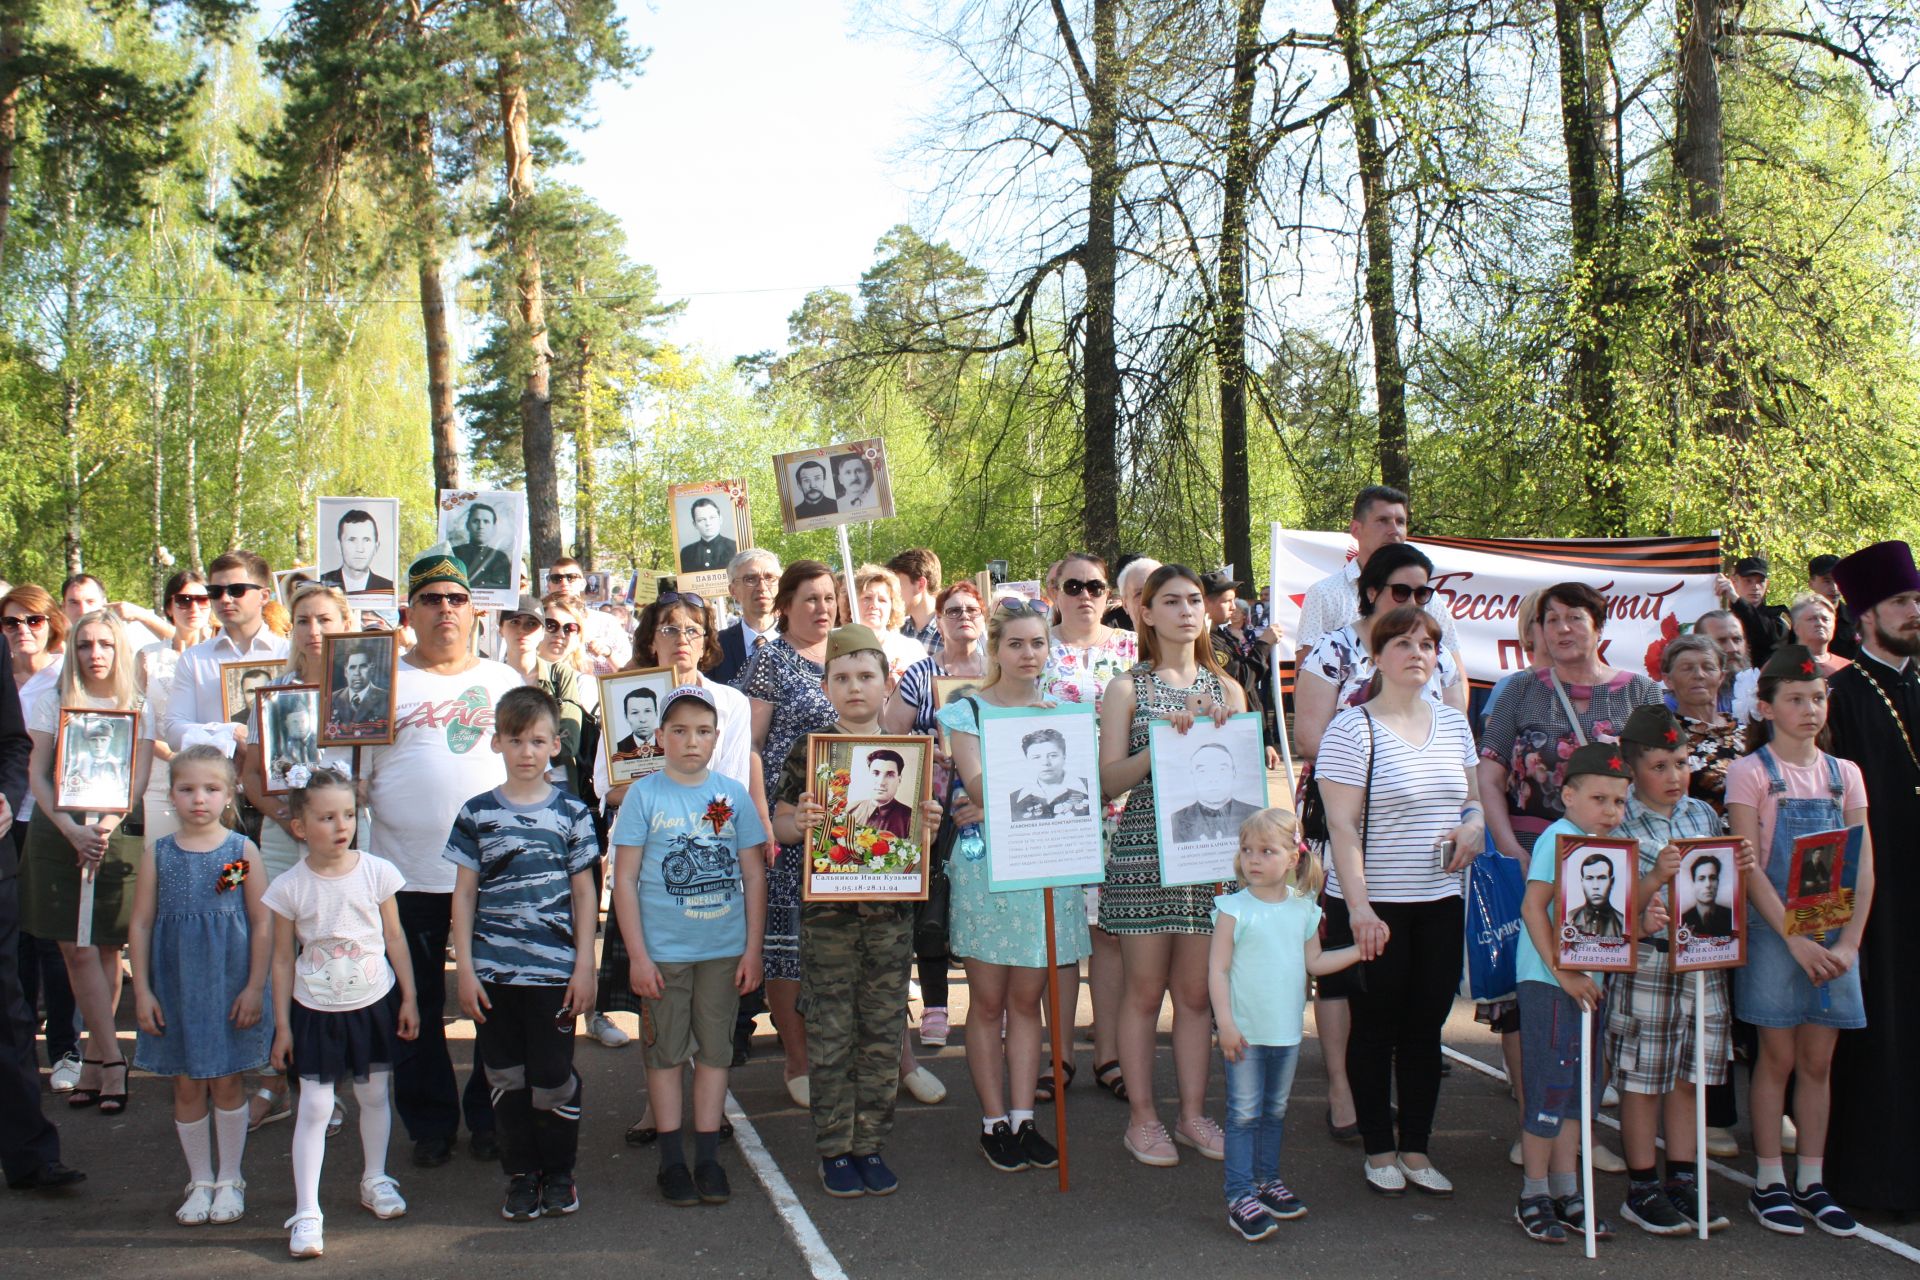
77, 1097
112, 1104
1109, 1077
1043, 1089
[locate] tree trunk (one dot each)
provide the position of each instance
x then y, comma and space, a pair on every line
1230, 325
157, 510
13, 23
303, 516
70, 426
1100, 463
529, 318
192, 434
433, 317
1594, 274
1381, 289
586, 531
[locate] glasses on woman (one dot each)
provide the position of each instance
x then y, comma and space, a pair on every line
31, 621
1087, 586
683, 633
190, 600
1402, 593
959, 612
556, 627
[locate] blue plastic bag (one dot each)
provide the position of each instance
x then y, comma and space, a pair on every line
1495, 886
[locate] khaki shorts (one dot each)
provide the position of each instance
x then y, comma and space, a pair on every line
697, 1007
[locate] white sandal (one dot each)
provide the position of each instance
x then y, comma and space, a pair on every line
279, 1107
198, 1205
229, 1201
1429, 1179
337, 1121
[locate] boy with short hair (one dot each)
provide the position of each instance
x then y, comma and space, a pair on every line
690, 893
1552, 1003
854, 956
524, 913
1650, 1019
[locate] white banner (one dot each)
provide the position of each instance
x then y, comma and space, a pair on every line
1653, 586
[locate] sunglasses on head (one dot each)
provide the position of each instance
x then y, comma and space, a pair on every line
680, 597
556, 627
1402, 593
31, 621
1091, 586
441, 599
238, 590
188, 600
1014, 607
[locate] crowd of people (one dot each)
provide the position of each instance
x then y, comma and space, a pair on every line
288, 924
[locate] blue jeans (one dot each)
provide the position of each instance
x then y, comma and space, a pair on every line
1257, 1089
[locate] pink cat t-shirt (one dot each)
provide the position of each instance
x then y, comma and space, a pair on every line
340, 956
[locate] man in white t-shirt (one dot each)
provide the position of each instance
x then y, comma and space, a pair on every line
441, 756
608, 643
1379, 517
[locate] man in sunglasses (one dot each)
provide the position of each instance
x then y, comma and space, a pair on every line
238, 585
1379, 518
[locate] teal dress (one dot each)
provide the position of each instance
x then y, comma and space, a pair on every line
1007, 928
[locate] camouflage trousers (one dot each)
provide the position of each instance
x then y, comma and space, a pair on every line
854, 959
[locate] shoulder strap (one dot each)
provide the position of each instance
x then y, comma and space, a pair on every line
1566, 705
1836, 781
1775, 783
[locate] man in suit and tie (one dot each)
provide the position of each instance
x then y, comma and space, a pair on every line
1214, 814
487, 565
640, 710
753, 580
1706, 918
362, 702
358, 535
814, 498
711, 550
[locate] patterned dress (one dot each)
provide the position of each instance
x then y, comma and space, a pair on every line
1133, 901
779, 676
1711, 750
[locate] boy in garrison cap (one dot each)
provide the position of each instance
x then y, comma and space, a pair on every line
854, 956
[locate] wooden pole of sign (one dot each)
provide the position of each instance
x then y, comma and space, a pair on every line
1280, 718
1586, 1128
1700, 1095
1054, 1028
83, 927
846, 573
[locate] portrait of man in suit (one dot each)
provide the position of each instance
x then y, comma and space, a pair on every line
815, 498
357, 534
1215, 813
884, 811
712, 549
1706, 918
487, 565
360, 700
640, 712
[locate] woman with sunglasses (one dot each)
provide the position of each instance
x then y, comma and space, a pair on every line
189, 616
523, 635
563, 642
1084, 655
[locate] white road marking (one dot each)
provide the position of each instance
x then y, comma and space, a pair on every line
1899, 1248
793, 1214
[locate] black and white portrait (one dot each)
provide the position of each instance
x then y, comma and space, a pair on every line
630, 710
1206, 782
710, 527
359, 542
487, 531
841, 484
239, 681
1708, 907
357, 689
289, 719
94, 771
1047, 791
1596, 886
1040, 772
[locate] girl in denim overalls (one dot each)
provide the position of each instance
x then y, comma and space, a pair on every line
1801, 992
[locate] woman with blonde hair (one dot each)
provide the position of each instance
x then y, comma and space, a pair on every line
66, 850
565, 643
878, 604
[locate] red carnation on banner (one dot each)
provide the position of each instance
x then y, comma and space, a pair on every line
1669, 628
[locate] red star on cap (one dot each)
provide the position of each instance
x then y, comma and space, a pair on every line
1614, 762
1807, 667
1672, 735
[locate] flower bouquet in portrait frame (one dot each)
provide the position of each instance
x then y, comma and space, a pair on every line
873, 845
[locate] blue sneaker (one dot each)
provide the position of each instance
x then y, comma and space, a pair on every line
840, 1178
1772, 1206
1826, 1215
875, 1176
1247, 1217
1280, 1202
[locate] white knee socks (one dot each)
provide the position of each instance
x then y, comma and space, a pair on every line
196, 1140
231, 1127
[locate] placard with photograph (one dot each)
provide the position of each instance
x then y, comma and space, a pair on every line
1820, 881
93, 761
630, 703
487, 529
289, 720
1707, 904
1040, 769
357, 672
840, 484
947, 688
360, 549
710, 526
1206, 782
1593, 903
239, 681
288, 581
873, 846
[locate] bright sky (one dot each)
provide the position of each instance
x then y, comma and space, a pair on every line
750, 163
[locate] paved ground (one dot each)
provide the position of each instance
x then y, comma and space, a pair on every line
952, 1211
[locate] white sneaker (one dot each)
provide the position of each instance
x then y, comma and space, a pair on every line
1517, 1154
800, 1089
1606, 1160
601, 1028
66, 1074
380, 1196
229, 1201
1789, 1137
198, 1205
924, 1086
305, 1241
1609, 1097
1721, 1144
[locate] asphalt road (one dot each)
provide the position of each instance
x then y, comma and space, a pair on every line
952, 1211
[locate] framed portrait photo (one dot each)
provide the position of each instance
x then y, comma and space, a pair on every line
239, 681
947, 688
357, 671
289, 720
93, 761
360, 549
840, 484
288, 581
1707, 906
711, 525
1040, 770
874, 844
630, 703
1820, 881
1593, 902
1206, 782
487, 529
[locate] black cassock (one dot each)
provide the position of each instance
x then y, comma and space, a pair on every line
1876, 1072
